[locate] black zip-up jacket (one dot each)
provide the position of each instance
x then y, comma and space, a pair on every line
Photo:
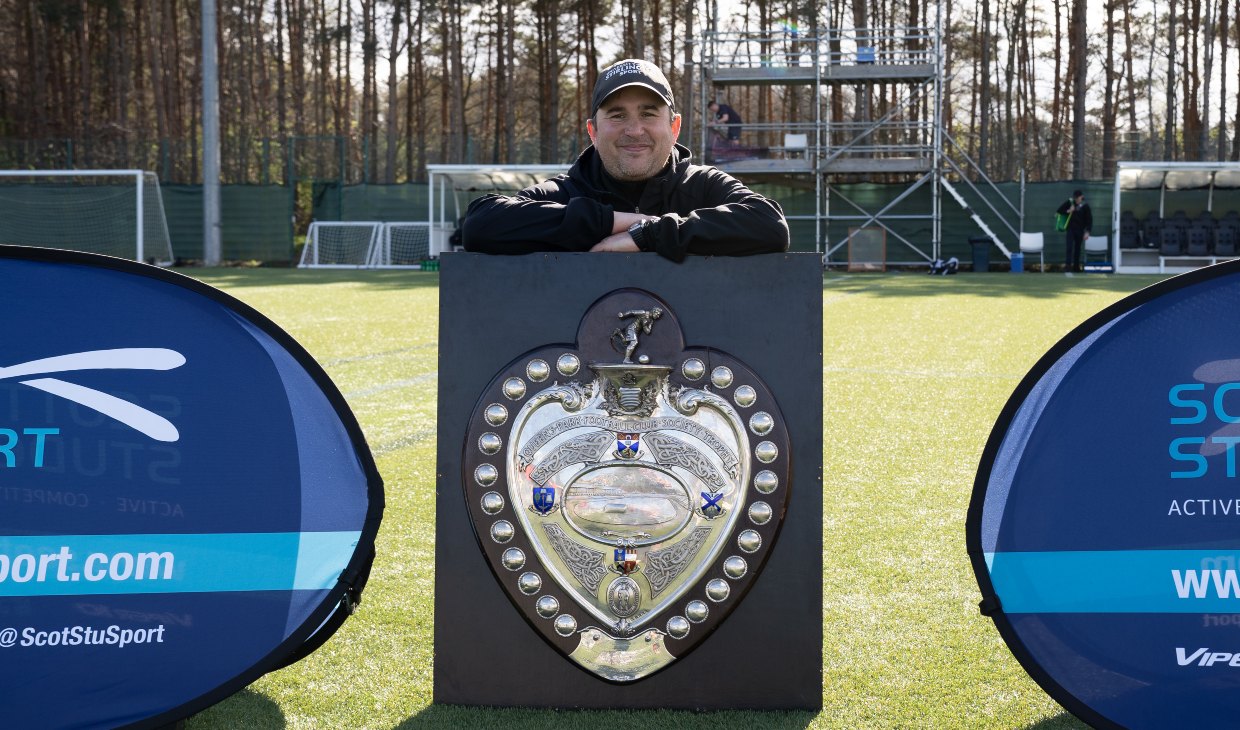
1082, 220
701, 210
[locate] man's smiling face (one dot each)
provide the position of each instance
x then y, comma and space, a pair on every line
634, 131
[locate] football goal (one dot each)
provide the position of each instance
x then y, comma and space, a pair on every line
114, 212
341, 244
403, 246
366, 245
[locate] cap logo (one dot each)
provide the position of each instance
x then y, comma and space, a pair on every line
628, 67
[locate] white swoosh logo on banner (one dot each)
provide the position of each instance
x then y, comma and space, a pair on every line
128, 358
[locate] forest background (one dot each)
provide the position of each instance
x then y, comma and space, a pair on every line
375, 90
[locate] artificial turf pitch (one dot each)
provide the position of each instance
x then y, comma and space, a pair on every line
915, 370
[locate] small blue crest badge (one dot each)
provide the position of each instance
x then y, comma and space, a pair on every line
628, 445
544, 499
625, 560
711, 507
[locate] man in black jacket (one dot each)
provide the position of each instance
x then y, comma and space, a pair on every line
1080, 223
634, 189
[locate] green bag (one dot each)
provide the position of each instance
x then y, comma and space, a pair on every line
1061, 221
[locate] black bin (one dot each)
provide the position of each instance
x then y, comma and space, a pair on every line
981, 252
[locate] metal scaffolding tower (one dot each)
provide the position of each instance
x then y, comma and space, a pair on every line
827, 146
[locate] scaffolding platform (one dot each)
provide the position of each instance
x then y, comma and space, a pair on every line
841, 127
846, 166
829, 74
878, 166
770, 167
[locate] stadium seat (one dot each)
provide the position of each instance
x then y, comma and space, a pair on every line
1171, 241
1031, 243
1226, 241
1198, 241
1205, 219
1129, 230
1227, 234
1151, 230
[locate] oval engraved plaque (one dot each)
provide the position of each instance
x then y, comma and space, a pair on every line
628, 503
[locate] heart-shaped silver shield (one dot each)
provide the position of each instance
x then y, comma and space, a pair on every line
626, 491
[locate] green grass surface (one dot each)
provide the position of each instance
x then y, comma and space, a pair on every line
915, 370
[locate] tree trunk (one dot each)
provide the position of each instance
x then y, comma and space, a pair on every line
281, 96
1192, 115
1054, 166
1131, 76
394, 51
1169, 145
1079, 53
1108, 103
1223, 33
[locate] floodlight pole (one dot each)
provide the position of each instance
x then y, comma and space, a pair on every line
210, 138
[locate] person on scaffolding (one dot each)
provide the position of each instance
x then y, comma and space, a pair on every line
727, 125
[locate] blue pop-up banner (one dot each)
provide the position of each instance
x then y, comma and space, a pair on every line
186, 502
1105, 522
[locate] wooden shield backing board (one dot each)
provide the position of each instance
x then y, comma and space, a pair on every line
765, 311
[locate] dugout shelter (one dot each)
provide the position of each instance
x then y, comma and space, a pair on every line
1172, 217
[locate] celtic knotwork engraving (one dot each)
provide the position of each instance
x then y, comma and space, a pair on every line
585, 449
662, 566
671, 451
585, 564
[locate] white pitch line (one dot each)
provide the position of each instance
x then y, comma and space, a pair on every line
394, 385
376, 355
923, 373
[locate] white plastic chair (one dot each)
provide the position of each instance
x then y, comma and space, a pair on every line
1034, 243
795, 143
1097, 246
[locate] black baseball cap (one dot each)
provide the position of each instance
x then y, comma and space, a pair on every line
631, 72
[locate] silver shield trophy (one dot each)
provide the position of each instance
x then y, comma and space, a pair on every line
626, 491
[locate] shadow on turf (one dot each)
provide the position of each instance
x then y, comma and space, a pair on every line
246, 709
456, 716
995, 284
240, 278
1062, 721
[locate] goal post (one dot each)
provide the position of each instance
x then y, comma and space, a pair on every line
341, 245
366, 245
114, 212
404, 245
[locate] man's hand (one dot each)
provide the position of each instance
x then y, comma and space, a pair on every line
617, 243
623, 221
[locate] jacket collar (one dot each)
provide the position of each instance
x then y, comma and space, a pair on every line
588, 169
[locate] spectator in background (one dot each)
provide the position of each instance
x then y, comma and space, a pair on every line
726, 117
1080, 223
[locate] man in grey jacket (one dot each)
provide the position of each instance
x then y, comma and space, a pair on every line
634, 189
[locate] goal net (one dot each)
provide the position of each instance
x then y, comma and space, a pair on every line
341, 245
403, 246
114, 212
